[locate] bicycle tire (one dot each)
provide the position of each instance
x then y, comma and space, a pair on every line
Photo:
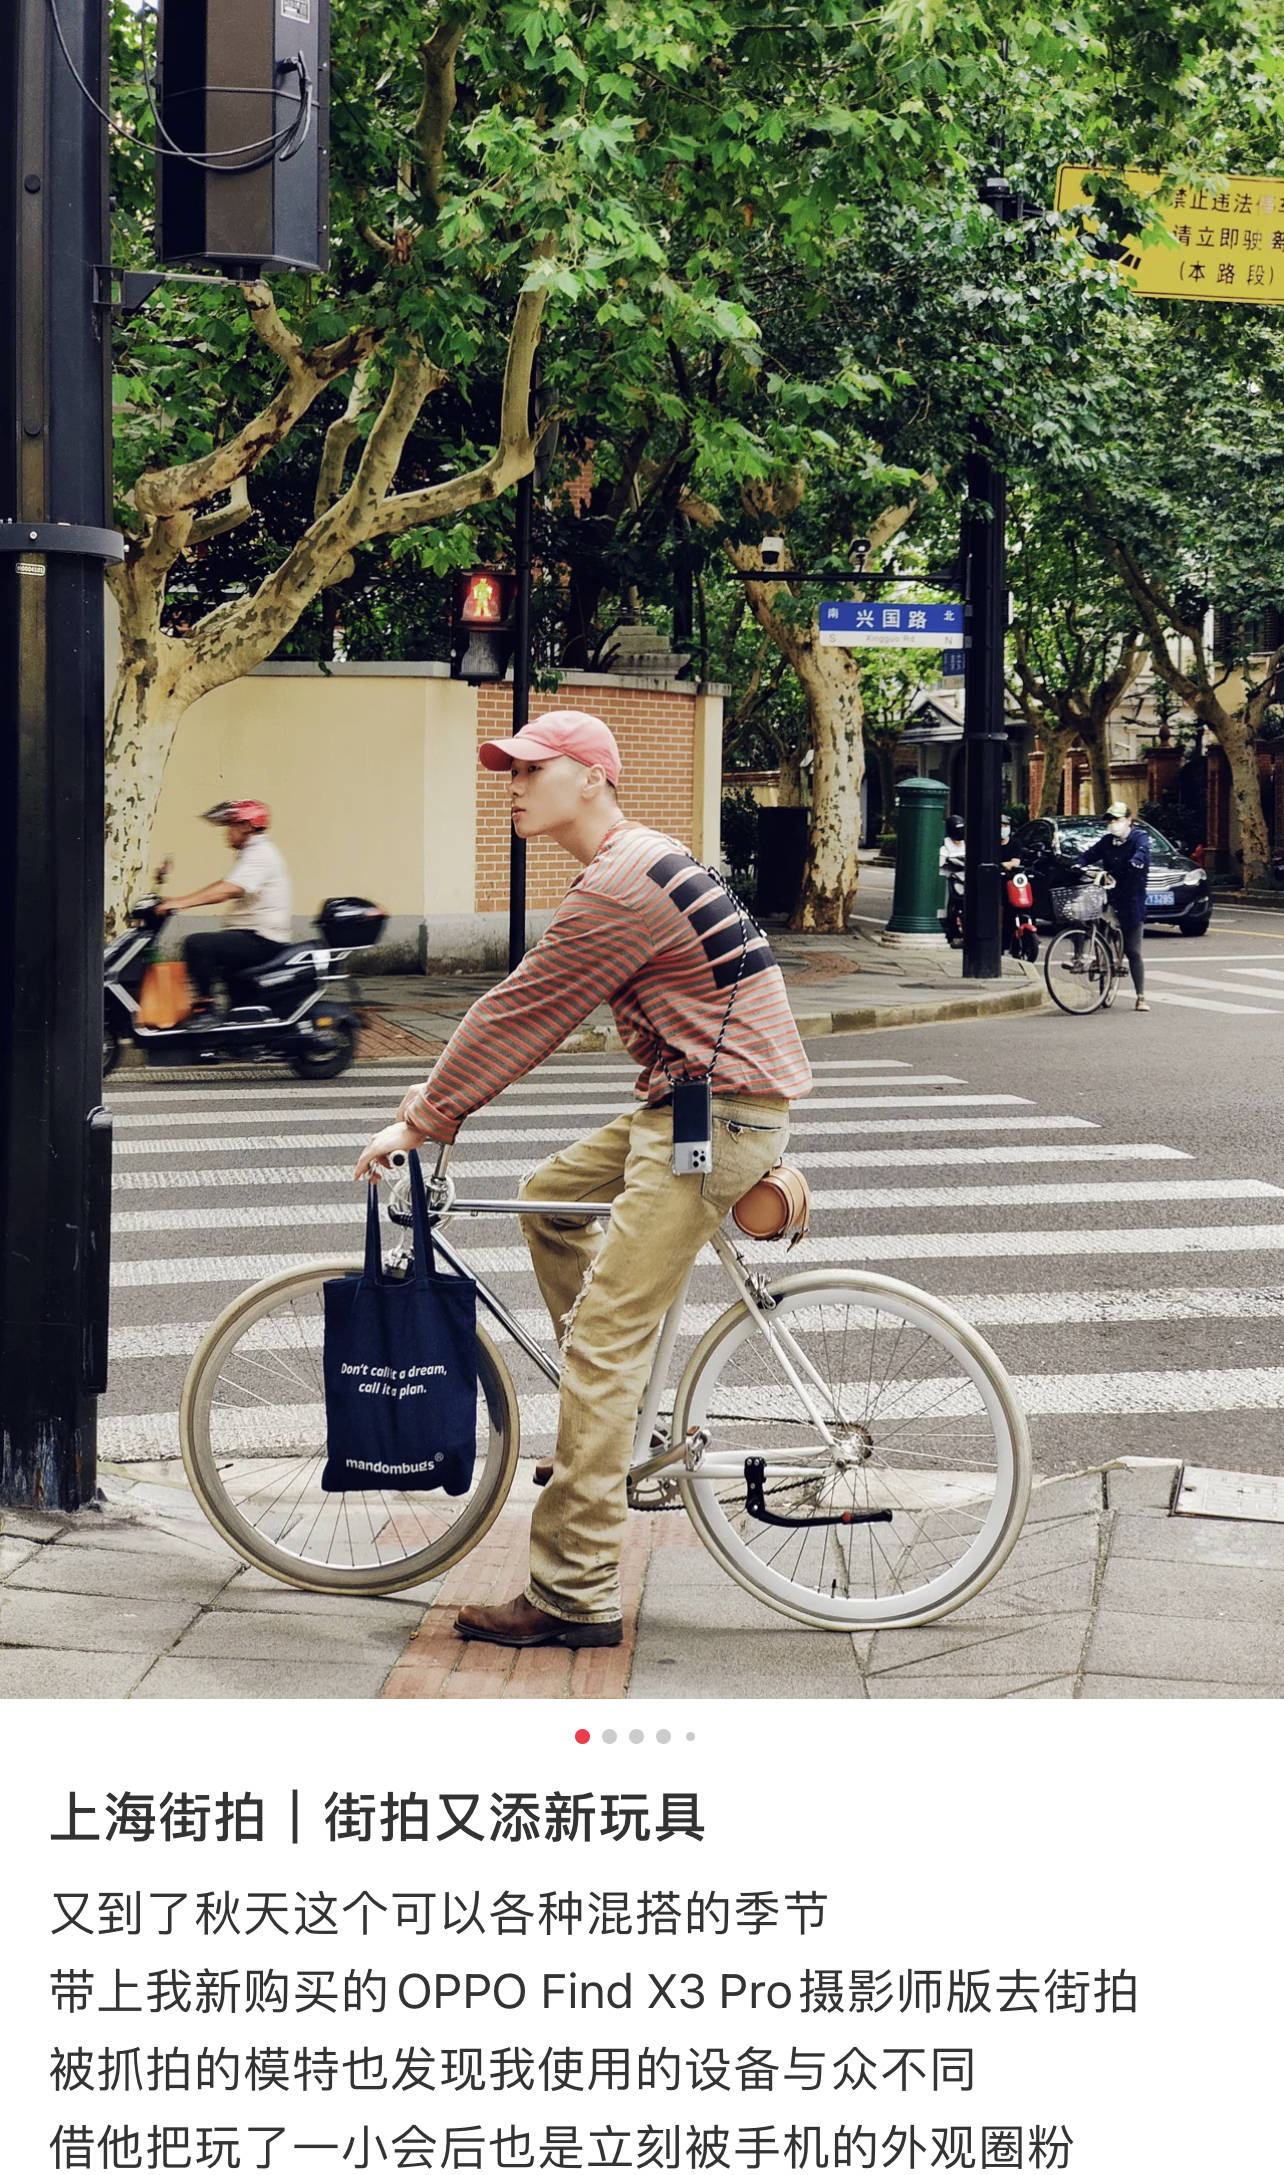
1118, 965
311, 1531
957, 1506
1077, 970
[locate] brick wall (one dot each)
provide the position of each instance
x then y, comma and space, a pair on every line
655, 733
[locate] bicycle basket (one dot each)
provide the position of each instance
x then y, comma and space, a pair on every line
1085, 902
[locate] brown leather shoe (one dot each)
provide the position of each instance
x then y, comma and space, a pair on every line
520, 1623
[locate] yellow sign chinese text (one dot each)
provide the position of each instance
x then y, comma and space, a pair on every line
1227, 245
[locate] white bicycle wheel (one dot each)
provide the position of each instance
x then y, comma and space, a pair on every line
895, 1456
252, 1426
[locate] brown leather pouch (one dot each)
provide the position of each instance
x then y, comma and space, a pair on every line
778, 1207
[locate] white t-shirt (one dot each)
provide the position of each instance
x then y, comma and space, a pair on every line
260, 870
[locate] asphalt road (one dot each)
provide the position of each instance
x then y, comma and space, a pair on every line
1103, 1196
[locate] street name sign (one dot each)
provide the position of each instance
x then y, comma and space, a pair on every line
1219, 245
891, 626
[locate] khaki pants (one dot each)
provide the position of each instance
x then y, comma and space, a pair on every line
607, 1293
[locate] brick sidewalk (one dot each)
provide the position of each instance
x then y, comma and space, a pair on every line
379, 1037
437, 1664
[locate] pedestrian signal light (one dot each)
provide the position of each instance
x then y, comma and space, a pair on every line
482, 633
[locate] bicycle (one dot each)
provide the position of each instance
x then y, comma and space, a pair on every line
1085, 959
847, 1447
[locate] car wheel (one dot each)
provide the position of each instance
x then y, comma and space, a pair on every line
1195, 928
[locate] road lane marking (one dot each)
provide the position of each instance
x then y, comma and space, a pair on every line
560, 1135
144, 1436
163, 1099
313, 1215
468, 1173
1090, 1306
1203, 981
1205, 1004
852, 1250
494, 1114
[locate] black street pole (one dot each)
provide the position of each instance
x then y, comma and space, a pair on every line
55, 1141
521, 709
984, 556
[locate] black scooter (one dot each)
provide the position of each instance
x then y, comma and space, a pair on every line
280, 1011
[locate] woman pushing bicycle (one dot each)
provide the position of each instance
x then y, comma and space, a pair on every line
701, 1004
1123, 851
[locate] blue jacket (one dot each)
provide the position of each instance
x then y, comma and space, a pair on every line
1128, 861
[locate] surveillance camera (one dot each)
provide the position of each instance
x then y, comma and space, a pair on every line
772, 549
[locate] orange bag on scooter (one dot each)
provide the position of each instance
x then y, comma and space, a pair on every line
166, 995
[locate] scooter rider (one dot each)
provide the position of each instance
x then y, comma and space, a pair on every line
951, 865
258, 887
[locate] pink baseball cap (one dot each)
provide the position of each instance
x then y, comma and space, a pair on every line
559, 732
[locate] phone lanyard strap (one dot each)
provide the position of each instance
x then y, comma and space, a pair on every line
747, 922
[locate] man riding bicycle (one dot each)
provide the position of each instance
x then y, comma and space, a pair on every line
696, 995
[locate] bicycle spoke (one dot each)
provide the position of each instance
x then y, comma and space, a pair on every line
910, 1498
255, 1449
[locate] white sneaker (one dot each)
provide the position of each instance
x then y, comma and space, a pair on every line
1141, 1005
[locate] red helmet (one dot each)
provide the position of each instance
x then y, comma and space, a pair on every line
256, 813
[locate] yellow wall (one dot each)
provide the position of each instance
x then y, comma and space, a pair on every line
370, 782
371, 775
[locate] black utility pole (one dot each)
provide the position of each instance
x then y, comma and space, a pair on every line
55, 1141
521, 708
985, 562
984, 553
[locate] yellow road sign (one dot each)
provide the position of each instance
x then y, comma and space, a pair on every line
1224, 245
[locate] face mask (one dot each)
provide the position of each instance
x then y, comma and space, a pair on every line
1120, 827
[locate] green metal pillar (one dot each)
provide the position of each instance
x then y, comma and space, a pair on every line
920, 828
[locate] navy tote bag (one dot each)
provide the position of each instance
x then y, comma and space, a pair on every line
400, 1368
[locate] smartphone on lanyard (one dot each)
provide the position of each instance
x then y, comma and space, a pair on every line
692, 1128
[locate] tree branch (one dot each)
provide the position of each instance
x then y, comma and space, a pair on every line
432, 122
237, 510
1156, 616
512, 458
167, 491
338, 439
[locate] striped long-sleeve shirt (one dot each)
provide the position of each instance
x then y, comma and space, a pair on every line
648, 930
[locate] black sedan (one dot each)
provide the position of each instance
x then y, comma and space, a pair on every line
1177, 890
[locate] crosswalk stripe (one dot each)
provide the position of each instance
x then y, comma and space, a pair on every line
313, 1215
465, 1172
150, 1085
997, 1245
502, 1114
559, 1136
1069, 1195
1086, 1307
1093, 1304
1204, 1004
1162, 1392
1203, 981
492, 1261
896, 1073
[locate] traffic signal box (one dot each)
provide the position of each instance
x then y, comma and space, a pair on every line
482, 631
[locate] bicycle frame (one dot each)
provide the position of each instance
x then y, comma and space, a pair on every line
647, 1459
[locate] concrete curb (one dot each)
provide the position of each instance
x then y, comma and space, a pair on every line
1031, 997
812, 1026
